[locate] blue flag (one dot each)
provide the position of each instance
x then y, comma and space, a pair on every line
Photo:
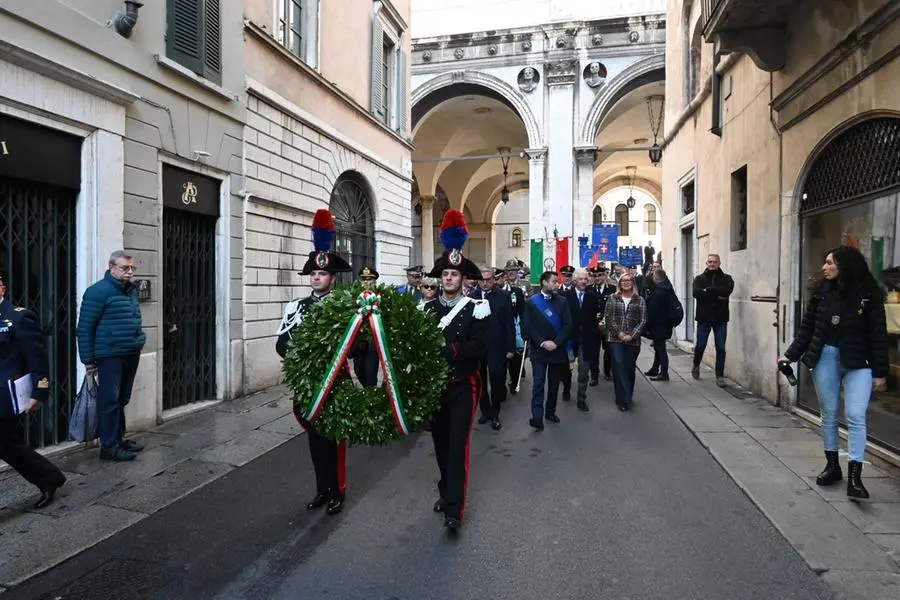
606, 239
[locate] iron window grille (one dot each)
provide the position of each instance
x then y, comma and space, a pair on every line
354, 223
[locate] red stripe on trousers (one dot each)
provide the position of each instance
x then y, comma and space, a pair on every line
342, 467
475, 381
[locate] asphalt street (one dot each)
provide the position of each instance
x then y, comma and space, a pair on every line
604, 505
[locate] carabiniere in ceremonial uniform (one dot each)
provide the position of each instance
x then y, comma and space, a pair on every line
328, 456
23, 359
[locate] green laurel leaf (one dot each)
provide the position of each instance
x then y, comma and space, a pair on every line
363, 415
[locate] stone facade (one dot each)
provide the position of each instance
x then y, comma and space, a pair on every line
561, 108
308, 127
138, 113
774, 124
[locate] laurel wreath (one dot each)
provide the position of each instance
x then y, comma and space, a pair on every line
364, 415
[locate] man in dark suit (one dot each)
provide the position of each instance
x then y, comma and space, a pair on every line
23, 364
548, 325
501, 348
517, 299
604, 289
584, 305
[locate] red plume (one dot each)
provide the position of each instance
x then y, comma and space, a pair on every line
454, 218
323, 220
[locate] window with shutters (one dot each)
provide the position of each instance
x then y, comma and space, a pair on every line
389, 75
297, 28
194, 36
622, 219
650, 211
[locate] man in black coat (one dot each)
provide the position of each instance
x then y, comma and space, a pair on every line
517, 299
501, 348
604, 289
712, 289
585, 306
23, 364
548, 325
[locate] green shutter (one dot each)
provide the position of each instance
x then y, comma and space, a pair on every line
184, 34
377, 81
401, 89
212, 41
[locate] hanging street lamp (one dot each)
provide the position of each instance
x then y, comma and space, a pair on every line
504, 159
655, 123
630, 173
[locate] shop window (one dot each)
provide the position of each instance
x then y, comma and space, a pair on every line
688, 195
622, 219
193, 37
650, 211
516, 238
739, 209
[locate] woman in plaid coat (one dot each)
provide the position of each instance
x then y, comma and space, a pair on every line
625, 316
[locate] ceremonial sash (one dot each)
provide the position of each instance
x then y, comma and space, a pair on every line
552, 317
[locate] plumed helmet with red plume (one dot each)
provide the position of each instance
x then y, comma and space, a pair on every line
321, 259
454, 233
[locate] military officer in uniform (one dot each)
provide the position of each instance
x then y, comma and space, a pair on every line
464, 323
366, 365
414, 276
604, 289
517, 299
565, 276
328, 457
23, 362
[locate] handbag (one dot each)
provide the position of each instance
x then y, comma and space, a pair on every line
84, 423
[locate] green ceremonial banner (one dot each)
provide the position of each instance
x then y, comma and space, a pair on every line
537, 261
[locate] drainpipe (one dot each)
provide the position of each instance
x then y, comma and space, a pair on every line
780, 319
124, 22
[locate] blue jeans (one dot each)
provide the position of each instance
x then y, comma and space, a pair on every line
624, 365
550, 374
720, 333
115, 378
828, 377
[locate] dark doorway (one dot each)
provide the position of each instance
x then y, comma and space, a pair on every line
189, 287
355, 223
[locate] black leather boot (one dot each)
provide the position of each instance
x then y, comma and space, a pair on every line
855, 487
320, 500
832, 472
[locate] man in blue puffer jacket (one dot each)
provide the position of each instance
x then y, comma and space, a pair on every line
110, 339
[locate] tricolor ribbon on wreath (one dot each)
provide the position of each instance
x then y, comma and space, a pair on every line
368, 309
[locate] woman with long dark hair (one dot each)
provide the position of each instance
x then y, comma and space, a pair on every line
843, 340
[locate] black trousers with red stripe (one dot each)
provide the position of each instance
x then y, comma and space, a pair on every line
450, 430
329, 460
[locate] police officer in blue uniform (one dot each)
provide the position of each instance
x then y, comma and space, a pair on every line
413, 280
22, 353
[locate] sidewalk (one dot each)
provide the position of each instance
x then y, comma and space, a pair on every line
102, 498
775, 457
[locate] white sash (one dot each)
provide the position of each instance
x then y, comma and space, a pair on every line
448, 318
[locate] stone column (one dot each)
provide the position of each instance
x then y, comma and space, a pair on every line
584, 204
560, 140
427, 203
537, 207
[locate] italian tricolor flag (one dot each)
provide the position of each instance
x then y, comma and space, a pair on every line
557, 253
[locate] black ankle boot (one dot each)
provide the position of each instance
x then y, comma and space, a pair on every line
832, 472
855, 487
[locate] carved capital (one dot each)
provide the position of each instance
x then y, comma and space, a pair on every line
427, 202
535, 154
561, 71
586, 155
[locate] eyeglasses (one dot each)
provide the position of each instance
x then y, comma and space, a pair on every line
429, 287
127, 268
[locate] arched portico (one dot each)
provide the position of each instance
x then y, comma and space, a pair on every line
495, 84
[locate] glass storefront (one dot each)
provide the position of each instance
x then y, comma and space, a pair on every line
873, 226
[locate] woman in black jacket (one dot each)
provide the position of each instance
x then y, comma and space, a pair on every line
843, 339
659, 323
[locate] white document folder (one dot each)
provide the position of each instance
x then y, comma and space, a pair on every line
20, 393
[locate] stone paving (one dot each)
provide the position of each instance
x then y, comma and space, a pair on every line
774, 457
103, 498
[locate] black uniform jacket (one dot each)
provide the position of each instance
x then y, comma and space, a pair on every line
293, 316
502, 338
584, 320
22, 351
467, 338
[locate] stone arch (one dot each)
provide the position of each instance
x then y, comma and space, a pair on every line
493, 83
635, 75
645, 185
826, 141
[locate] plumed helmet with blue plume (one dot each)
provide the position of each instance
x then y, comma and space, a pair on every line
321, 259
454, 233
